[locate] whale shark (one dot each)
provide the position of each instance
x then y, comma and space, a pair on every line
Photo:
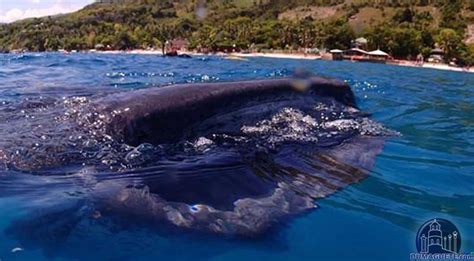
227, 158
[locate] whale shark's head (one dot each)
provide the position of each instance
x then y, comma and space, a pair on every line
173, 113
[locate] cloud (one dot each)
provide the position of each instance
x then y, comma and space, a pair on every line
58, 8
11, 15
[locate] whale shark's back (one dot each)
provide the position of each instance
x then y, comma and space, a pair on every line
167, 114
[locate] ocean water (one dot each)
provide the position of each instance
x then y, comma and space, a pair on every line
425, 172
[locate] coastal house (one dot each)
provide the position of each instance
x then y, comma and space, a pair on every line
378, 55
436, 56
337, 55
99, 47
355, 54
360, 43
311, 50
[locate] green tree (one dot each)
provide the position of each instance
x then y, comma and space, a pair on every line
451, 15
404, 16
287, 33
337, 34
164, 33
450, 42
124, 40
405, 42
307, 32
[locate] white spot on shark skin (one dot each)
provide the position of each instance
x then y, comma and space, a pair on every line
17, 249
341, 124
202, 144
195, 208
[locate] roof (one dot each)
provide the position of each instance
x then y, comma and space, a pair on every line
437, 51
361, 40
335, 51
358, 50
379, 52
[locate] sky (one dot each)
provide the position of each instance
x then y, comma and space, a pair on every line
12, 10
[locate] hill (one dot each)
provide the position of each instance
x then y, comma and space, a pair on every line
404, 28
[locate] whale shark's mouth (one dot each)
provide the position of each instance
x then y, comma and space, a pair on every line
250, 193
226, 158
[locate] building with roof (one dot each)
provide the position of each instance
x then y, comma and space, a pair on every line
378, 55
436, 56
360, 43
357, 54
337, 54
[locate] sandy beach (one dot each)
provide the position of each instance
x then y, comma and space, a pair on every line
244, 56
279, 55
317, 57
436, 66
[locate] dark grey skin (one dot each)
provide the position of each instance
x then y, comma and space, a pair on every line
184, 112
226, 190
288, 191
168, 114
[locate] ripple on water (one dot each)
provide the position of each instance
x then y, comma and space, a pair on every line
426, 172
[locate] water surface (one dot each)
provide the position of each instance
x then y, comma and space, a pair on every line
426, 172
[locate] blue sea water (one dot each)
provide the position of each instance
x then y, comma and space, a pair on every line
426, 172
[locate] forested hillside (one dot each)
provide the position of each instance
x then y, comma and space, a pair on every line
403, 28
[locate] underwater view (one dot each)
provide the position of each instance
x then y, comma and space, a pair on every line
140, 157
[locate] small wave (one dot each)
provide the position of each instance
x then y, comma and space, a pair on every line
120, 75
27, 56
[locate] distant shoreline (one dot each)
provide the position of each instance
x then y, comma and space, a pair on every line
302, 56
241, 55
405, 63
437, 66
297, 56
